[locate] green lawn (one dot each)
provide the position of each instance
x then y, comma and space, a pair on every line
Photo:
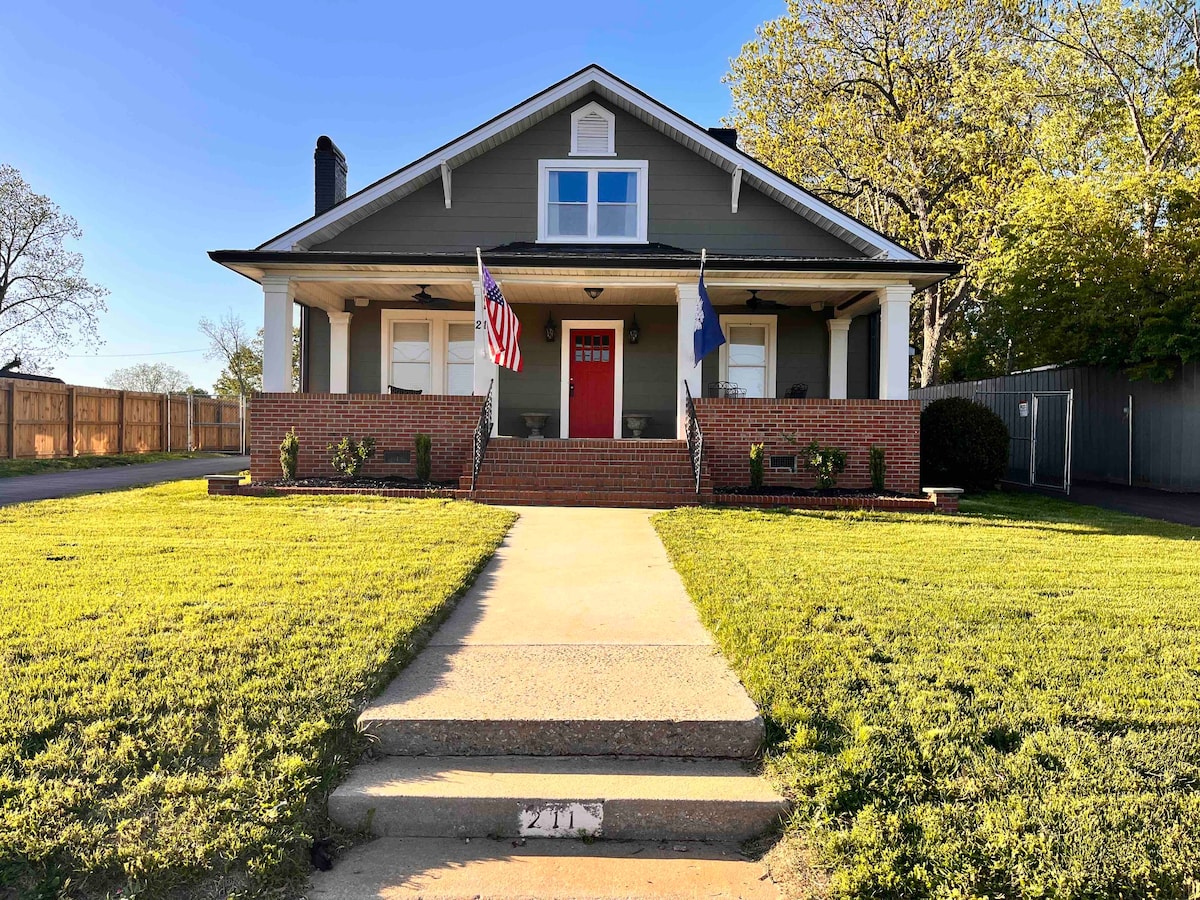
179, 675
1000, 704
10, 467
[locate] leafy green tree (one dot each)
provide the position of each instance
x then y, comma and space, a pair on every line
230, 341
911, 116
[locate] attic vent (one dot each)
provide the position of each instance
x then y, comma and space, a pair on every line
593, 131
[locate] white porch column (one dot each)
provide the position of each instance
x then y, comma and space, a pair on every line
339, 352
278, 296
485, 371
688, 296
894, 303
839, 347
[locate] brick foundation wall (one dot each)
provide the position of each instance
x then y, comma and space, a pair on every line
393, 420
731, 426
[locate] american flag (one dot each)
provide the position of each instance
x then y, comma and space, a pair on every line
504, 329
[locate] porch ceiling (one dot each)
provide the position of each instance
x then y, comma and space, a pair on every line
337, 295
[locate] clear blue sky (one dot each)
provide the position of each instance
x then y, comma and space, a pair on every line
172, 129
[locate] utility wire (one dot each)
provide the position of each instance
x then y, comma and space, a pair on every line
121, 355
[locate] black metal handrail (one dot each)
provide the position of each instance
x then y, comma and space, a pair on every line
695, 437
483, 433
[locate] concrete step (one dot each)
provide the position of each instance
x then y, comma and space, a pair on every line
624, 799
447, 869
575, 700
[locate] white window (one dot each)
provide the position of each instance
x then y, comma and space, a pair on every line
602, 201
430, 352
748, 354
593, 131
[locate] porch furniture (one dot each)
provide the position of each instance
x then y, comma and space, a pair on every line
726, 389
392, 389
636, 423
536, 423
797, 391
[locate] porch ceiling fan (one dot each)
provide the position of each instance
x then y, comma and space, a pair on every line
756, 302
423, 296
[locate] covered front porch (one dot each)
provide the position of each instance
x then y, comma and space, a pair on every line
607, 354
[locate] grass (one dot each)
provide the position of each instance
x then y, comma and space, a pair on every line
1000, 704
181, 673
11, 467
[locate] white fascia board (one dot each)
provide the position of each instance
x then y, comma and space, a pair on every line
591, 78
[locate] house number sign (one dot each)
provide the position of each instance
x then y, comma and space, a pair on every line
562, 819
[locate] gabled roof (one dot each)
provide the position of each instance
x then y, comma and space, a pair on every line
592, 79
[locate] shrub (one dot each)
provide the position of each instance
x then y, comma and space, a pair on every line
424, 444
827, 463
963, 444
348, 457
878, 467
289, 454
756, 465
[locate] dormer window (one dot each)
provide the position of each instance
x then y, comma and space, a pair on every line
593, 131
598, 201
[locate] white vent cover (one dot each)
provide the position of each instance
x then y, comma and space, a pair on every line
593, 131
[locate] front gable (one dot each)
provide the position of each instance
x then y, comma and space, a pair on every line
495, 197
625, 102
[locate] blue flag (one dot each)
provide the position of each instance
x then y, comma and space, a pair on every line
708, 335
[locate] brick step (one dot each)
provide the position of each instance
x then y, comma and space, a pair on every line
612, 499
630, 799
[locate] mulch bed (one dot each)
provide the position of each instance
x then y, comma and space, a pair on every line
779, 490
381, 483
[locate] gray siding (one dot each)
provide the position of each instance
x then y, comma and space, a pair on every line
649, 377
495, 201
316, 351
1165, 431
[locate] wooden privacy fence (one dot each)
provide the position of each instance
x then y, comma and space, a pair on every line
44, 419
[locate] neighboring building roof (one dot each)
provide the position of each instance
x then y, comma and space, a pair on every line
26, 376
591, 79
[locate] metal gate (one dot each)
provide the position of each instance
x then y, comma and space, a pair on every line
1039, 429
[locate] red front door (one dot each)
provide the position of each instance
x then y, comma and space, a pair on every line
593, 379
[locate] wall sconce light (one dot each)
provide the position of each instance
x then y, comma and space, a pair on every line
551, 328
635, 331
593, 292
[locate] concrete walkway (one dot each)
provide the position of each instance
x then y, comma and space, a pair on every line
27, 488
573, 682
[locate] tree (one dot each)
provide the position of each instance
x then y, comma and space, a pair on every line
230, 341
155, 378
1097, 257
910, 115
45, 302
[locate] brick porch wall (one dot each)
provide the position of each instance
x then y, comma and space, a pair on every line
393, 420
731, 426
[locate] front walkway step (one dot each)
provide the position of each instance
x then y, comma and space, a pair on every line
566, 700
447, 869
637, 799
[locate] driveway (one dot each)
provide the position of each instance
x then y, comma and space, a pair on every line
26, 488
1170, 506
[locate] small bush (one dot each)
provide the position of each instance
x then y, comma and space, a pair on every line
963, 444
878, 467
289, 454
348, 457
756, 465
827, 463
424, 444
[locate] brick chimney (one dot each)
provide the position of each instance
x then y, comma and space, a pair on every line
329, 175
727, 136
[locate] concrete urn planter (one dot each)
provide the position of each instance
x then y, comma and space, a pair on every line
536, 423
636, 423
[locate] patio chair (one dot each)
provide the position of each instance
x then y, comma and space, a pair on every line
797, 391
726, 389
392, 389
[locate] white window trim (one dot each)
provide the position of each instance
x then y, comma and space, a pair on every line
564, 396
641, 166
439, 330
612, 129
772, 326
